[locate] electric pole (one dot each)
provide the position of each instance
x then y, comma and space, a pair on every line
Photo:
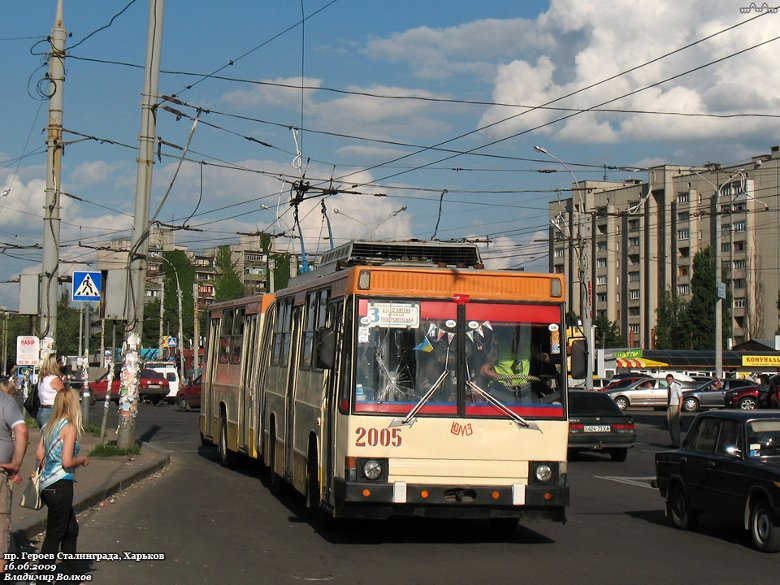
129, 397
51, 215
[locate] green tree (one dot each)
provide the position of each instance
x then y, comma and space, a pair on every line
68, 326
227, 284
673, 329
176, 263
608, 333
704, 296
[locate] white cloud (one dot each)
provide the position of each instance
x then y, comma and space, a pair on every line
647, 30
92, 173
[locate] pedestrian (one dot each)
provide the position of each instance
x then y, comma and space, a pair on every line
59, 448
764, 392
49, 383
13, 446
673, 409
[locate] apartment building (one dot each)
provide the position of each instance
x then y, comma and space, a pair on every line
627, 242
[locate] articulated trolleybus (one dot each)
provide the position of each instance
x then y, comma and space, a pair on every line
398, 378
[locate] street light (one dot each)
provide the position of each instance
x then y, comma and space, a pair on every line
719, 273
582, 257
181, 328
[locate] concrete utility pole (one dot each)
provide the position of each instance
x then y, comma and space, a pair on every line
585, 293
195, 332
128, 406
51, 214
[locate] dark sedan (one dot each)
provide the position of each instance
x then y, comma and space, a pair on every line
153, 387
189, 396
597, 424
711, 394
729, 465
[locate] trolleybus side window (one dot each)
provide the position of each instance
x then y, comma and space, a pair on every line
282, 332
237, 336
308, 332
225, 335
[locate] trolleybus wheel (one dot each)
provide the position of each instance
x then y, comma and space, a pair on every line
226, 457
275, 483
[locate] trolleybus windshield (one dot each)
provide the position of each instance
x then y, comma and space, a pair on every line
479, 362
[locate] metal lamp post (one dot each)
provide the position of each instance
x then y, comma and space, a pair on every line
585, 309
181, 326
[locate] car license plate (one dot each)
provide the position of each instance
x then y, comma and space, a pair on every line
597, 428
153, 386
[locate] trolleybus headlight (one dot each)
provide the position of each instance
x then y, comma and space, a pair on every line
372, 469
543, 473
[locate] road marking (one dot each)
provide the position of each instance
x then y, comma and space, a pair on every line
637, 481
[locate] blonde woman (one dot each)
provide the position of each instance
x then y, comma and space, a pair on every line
49, 384
59, 447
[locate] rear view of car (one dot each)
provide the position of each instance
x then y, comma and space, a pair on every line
597, 424
170, 373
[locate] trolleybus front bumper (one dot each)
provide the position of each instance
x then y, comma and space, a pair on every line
381, 500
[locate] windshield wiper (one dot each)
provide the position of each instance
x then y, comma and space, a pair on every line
503, 407
411, 418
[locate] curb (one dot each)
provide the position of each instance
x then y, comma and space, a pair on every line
34, 526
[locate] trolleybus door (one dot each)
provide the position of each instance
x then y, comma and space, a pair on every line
292, 376
246, 406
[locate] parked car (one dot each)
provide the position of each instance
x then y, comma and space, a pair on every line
189, 396
711, 394
597, 424
623, 382
645, 392
170, 373
598, 384
153, 387
745, 398
729, 464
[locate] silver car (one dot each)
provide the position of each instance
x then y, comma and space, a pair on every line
648, 392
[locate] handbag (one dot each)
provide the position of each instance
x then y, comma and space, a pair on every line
31, 496
33, 402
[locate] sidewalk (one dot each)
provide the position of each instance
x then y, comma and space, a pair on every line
103, 477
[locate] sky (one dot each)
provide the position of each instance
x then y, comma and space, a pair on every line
406, 119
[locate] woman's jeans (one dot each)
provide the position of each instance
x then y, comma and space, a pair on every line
62, 529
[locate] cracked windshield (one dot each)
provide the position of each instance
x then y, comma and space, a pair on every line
407, 352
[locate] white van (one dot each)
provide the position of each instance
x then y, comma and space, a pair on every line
167, 369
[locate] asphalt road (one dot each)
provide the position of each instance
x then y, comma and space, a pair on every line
220, 526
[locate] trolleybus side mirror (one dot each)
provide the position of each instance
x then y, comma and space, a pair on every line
326, 348
579, 359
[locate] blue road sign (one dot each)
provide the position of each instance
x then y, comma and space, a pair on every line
86, 286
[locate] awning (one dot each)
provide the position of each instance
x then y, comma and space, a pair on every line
640, 363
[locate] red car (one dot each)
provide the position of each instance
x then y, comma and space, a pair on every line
154, 387
189, 396
746, 398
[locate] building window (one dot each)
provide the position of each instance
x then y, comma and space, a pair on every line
682, 270
633, 259
602, 229
740, 303
683, 216
725, 229
601, 297
684, 252
633, 242
601, 262
725, 247
633, 277
634, 311
559, 269
739, 246
633, 225
601, 280
559, 253
739, 283
633, 294
684, 289
740, 226
633, 328
683, 234
740, 264
601, 246
683, 197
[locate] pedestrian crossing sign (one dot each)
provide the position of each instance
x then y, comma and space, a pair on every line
86, 286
